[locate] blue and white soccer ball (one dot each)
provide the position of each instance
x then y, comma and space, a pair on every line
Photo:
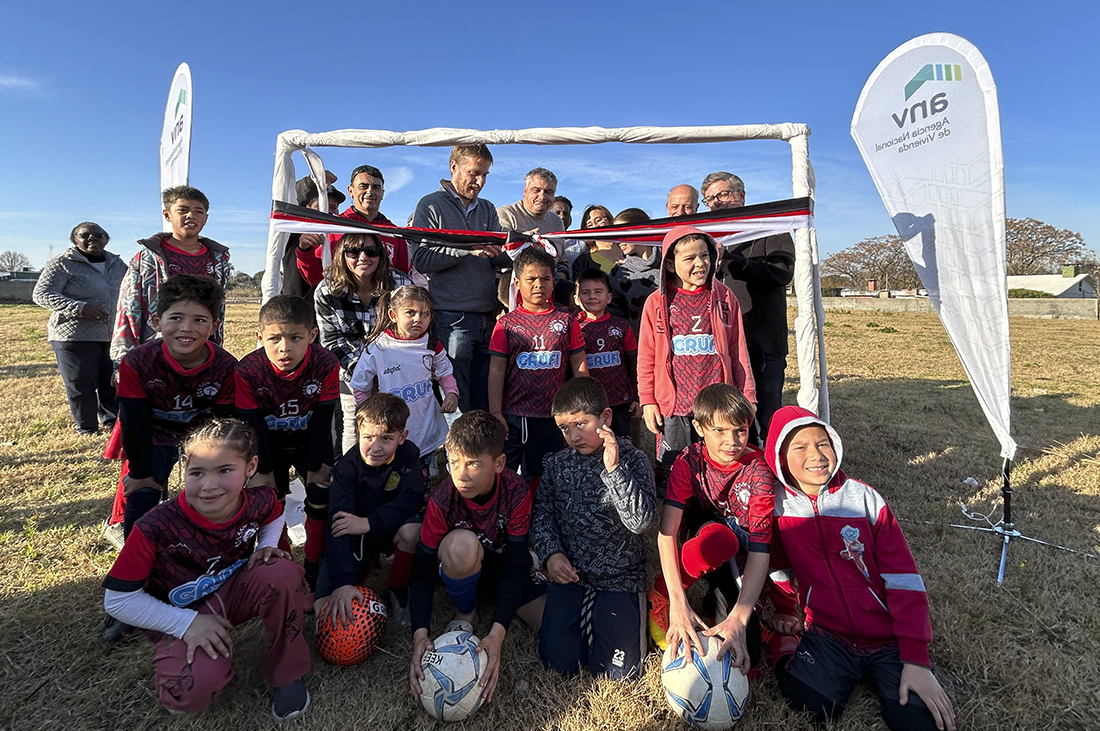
708, 692
450, 690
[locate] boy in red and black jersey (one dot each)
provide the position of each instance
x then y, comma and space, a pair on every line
716, 523
287, 390
532, 348
691, 336
167, 387
476, 527
611, 351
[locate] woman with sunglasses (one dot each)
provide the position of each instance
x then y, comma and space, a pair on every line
345, 301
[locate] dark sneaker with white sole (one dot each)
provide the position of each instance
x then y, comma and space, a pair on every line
113, 630
289, 701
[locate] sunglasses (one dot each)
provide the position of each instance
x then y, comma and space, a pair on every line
371, 251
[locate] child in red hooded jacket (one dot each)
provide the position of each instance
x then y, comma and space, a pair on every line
691, 336
865, 607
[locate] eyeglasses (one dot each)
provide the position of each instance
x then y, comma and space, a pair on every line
371, 252
722, 196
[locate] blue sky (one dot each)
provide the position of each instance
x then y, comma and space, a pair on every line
83, 88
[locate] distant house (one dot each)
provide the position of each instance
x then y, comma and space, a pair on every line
1068, 285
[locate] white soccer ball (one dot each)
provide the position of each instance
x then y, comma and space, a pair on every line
450, 690
708, 692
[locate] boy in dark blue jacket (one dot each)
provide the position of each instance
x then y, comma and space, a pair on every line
376, 503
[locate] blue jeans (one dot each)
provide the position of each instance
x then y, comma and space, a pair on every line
465, 336
86, 370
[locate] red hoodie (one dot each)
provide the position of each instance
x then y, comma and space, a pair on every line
852, 570
655, 385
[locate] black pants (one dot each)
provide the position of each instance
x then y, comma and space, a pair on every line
821, 675
531, 439
620, 420
141, 501
86, 370
768, 371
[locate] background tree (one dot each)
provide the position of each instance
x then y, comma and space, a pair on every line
881, 258
13, 261
1035, 247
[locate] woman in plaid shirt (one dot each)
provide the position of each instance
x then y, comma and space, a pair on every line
345, 302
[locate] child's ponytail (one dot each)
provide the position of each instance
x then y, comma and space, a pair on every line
382, 320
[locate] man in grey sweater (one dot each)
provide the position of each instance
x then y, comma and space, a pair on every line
463, 282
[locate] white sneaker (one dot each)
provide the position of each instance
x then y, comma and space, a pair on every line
112, 533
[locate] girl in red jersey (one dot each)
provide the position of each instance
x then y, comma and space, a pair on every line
195, 567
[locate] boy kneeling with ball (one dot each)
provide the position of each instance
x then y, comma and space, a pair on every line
475, 533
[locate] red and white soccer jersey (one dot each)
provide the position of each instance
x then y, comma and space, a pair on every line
695, 360
744, 491
286, 400
178, 261
180, 557
607, 340
537, 346
179, 397
507, 513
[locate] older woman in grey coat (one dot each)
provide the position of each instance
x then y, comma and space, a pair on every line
80, 287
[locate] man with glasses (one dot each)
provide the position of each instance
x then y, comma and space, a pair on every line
758, 272
683, 200
463, 281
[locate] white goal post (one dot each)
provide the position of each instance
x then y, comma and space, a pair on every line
813, 392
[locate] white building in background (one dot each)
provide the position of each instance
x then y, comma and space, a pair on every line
1067, 285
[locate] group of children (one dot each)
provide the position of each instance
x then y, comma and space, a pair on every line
543, 506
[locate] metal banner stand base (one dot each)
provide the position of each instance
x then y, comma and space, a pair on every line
1006, 528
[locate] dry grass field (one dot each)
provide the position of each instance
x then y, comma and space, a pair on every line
1026, 656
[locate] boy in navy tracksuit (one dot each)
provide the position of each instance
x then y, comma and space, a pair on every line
376, 504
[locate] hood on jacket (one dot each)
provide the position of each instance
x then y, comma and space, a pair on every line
636, 264
675, 235
784, 423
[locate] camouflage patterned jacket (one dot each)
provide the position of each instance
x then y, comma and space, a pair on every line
137, 297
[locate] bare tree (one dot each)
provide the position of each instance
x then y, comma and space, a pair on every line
13, 261
1035, 247
881, 258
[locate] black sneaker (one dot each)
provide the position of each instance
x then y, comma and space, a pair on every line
113, 630
289, 701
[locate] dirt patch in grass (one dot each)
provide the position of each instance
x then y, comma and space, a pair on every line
1023, 657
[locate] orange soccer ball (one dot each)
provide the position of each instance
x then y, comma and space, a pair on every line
354, 643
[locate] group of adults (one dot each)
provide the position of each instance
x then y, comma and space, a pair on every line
468, 285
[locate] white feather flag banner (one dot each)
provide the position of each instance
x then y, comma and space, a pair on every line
928, 128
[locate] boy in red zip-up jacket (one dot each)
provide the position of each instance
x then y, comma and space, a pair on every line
691, 336
865, 607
